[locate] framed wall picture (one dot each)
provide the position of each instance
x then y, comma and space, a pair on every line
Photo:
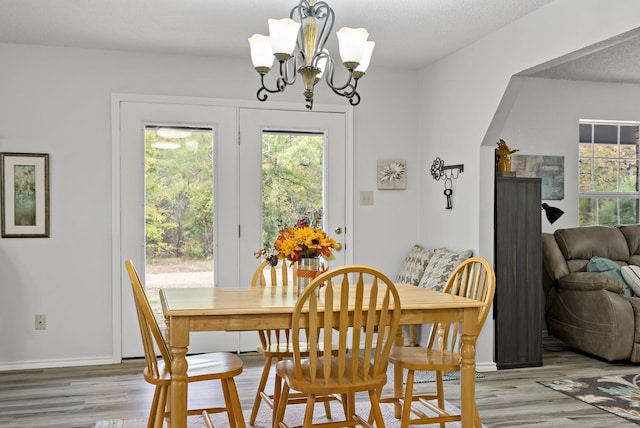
549, 168
24, 183
392, 174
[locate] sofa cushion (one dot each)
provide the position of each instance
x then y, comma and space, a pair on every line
414, 265
631, 275
609, 268
441, 266
632, 235
580, 244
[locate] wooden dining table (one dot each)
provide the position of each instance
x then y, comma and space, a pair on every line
190, 310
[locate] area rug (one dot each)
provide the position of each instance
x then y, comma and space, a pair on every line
293, 416
619, 395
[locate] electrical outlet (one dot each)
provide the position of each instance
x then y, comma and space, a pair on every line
41, 322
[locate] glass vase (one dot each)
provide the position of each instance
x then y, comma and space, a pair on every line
308, 269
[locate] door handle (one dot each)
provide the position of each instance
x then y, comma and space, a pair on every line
338, 230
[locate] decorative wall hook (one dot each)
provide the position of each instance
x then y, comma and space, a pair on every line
440, 171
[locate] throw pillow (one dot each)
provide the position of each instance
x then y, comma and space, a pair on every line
631, 275
414, 265
610, 268
440, 268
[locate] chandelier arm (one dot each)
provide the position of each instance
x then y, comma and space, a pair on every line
351, 94
285, 79
334, 87
288, 78
354, 100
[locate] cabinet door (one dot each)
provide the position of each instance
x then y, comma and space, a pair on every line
518, 306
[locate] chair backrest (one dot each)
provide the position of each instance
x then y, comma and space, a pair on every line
283, 274
475, 279
152, 338
340, 300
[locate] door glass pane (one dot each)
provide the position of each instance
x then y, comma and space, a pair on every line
178, 209
292, 180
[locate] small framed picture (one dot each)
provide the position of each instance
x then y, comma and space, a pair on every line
392, 174
24, 186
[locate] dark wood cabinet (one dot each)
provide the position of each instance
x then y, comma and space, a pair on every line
518, 309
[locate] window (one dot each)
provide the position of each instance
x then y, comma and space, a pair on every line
608, 173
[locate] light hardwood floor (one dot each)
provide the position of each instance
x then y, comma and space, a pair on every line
79, 396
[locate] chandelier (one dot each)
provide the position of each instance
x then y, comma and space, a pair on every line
298, 44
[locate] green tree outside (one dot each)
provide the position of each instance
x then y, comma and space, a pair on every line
180, 190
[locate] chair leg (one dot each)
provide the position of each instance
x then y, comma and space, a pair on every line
282, 405
408, 401
440, 391
153, 413
308, 412
161, 411
261, 385
237, 406
375, 407
228, 402
327, 409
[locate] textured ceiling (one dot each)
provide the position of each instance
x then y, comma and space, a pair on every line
408, 33
615, 61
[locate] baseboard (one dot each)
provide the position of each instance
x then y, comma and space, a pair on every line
47, 364
486, 367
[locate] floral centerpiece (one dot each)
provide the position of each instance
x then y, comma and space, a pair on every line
300, 241
303, 243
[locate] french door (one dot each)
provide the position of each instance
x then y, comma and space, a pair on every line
255, 125
238, 191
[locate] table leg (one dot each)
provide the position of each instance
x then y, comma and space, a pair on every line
468, 380
397, 376
179, 342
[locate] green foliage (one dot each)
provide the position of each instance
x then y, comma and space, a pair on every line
607, 169
179, 191
179, 197
292, 174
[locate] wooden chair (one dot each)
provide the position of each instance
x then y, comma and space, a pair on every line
475, 279
365, 338
215, 366
275, 344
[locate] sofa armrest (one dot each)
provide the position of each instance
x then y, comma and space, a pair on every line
590, 281
552, 257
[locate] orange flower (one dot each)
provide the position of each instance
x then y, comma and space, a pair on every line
293, 243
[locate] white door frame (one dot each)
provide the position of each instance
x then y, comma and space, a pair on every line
116, 251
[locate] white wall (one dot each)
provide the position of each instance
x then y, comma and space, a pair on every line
460, 96
58, 101
544, 121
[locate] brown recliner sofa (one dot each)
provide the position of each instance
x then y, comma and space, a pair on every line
588, 310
